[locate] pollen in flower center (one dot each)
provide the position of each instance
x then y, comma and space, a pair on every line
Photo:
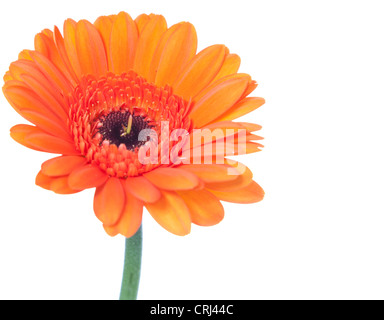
122, 127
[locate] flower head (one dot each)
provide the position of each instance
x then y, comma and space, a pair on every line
133, 111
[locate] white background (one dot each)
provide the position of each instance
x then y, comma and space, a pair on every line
318, 234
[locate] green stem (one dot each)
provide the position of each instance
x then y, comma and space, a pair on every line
132, 266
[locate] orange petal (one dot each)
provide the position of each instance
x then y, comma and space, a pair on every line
250, 194
230, 66
70, 46
56, 184
109, 201
251, 137
142, 189
123, 43
90, 49
22, 98
204, 207
224, 125
252, 85
41, 44
86, 177
172, 179
154, 65
111, 230
171, 213
232, 129
62, 165
217, 99
51, 97
51, 72
216, 131
7, 77
60, 44
210, 173
141, 21
25, 55
242, 180
21, 67
241, 108
147, 44
215, 151
47, 124
21, 131
14, 83
179, 49
250, 126
43, 181
47, 143
200, 71
252, 147
60, 185
234, 149
104, 26
130, 220
45, 43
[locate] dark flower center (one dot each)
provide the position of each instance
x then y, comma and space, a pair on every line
122, 127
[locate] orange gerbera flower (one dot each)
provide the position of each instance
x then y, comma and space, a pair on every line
91, 92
